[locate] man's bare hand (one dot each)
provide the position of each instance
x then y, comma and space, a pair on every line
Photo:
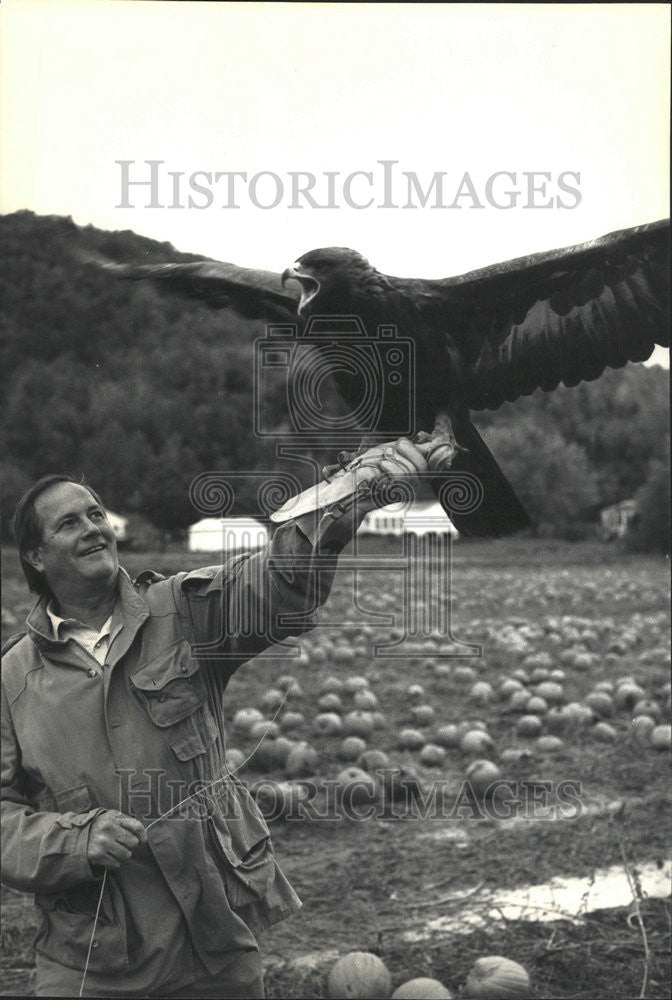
113, 838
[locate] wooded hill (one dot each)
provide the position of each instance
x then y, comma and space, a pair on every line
142, 391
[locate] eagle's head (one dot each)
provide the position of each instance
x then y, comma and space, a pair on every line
329, 279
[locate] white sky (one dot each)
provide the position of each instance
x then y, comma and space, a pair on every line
337, 87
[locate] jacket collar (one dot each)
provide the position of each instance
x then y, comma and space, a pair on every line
130, 612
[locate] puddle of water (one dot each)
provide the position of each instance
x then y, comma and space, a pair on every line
559, 899
550, 814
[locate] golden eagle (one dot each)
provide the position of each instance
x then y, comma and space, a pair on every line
481, 338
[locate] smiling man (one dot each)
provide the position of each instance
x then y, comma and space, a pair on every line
111, 725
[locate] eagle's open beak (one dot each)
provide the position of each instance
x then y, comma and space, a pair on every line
309, 286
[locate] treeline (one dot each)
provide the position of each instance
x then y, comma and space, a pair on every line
141, 391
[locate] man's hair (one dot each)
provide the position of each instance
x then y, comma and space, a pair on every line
28, 530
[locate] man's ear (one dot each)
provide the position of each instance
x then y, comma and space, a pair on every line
34, 557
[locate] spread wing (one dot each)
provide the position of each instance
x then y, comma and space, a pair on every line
251, 293
562, 316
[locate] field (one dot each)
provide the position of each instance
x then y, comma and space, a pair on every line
434, 880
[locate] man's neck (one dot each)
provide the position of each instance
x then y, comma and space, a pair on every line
91, 609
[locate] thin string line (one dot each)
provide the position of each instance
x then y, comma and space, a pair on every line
93, 931
229, 773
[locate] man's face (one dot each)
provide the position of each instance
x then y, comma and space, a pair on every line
78, 550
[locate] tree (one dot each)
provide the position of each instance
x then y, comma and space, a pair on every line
15, 483
552, 477
651, 529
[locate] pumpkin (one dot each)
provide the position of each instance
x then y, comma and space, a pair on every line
497, 978
464, 675
519, 700
475, 741
233, 759
331, 684
351, 748
415, 692
411, 739
529, 725
301, 761
365, 698
358, 723
641, 728
355, 683
422, 989
330, 702
264, 730
482, 692
356, 787
278, 798
359, 976
245, 718
422, 715
601, 703
603, 732
548, 744
448, 736
481, 774
432, 755
272, 699
291, 720
508, 686
327, 724
537, 705
550, 691
627, 695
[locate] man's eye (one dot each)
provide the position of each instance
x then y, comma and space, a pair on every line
98, 514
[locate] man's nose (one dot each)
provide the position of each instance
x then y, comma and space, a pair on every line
91, 528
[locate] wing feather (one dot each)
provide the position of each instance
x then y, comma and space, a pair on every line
254, 294
558, 317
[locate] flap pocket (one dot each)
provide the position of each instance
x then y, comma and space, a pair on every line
248, 877
170, 685
195, 735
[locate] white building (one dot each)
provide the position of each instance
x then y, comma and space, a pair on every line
617, 518
119, 525
227, 534
408, 519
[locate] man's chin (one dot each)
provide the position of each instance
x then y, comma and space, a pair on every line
103, 565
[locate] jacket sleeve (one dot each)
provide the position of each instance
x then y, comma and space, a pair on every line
41, 851
254, 601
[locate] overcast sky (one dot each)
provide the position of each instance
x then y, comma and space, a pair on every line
475, 102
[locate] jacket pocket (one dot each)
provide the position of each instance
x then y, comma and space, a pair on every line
170, 686
242, 844
68, 925
194, 735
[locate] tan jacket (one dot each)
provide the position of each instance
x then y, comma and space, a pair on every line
140, 734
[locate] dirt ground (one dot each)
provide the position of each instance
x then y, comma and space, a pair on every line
365, 884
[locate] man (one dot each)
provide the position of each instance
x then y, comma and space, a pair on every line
151, 863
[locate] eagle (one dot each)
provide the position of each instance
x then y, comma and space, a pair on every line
480, 339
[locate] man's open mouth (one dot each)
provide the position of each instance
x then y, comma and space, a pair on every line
94, 548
